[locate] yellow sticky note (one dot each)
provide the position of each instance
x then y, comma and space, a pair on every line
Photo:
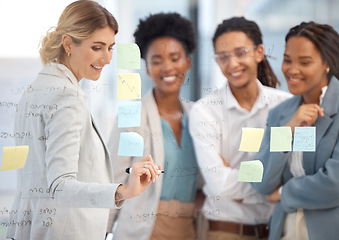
129, 86
128, 56
281, 139
251, 171
14, 157
251, 139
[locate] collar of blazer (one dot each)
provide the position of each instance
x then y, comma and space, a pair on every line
155, 125
59, 70
331, 99
330, 105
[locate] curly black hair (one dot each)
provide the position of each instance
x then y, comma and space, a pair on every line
165, 25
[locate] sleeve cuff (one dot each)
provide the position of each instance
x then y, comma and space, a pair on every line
118, 204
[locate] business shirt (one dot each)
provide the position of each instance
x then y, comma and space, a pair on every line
215, 125
181, 168
65, 189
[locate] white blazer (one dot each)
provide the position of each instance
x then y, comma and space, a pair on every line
136, 219
65, 189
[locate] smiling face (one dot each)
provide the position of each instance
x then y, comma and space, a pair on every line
304, 69
238, 58
167, 64
87, 59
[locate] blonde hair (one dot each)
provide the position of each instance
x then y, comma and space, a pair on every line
79, 20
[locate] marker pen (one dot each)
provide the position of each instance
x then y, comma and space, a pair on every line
129, 171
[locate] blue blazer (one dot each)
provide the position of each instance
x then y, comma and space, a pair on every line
317, 193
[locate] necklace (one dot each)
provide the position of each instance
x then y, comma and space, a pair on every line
175, 115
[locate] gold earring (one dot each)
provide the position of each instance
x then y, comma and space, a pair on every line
68, 54
328, 70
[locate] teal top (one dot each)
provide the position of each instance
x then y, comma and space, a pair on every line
181, 168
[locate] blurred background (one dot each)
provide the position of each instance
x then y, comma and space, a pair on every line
23, 23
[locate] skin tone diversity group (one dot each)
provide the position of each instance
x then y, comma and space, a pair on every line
196, 144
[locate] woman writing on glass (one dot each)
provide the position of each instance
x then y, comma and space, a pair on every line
65, 189
304, 185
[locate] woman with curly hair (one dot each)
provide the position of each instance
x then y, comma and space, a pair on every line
166, 210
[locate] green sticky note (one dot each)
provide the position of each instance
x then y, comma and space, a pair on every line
128, 56
250, 171
281, 139
3, 231
251, 139
14, 157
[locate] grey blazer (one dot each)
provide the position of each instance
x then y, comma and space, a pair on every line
137, 217
65, 189
317, 193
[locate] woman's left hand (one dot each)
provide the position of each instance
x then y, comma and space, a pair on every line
144, 173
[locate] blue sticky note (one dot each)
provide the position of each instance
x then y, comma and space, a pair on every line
304, 139
131, 144
129, 114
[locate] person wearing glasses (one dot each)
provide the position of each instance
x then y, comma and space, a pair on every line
234, 209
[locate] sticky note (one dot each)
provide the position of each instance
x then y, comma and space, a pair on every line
129, 114
281, 139
128, 56
304, 139
251, 139
131, 144
250, 171
3, 230
14, 157
129, 86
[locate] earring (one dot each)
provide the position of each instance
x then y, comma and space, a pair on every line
68, 54
328, 70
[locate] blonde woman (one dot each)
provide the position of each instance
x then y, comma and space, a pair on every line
65, 189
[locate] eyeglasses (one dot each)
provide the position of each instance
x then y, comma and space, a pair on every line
239, 53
